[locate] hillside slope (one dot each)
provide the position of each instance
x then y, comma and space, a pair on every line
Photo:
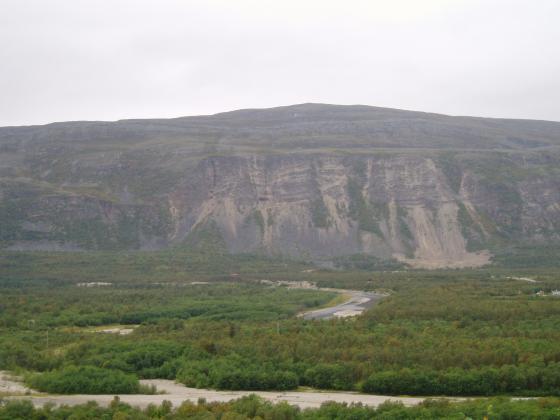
308, 180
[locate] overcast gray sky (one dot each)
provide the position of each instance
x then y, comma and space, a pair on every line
111, 59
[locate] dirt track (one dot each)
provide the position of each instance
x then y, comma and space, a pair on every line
177, 393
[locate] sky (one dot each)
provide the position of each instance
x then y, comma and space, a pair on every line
64, 60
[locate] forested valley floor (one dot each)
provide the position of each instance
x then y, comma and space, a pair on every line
99, 322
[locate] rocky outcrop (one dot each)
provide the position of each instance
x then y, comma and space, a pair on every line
324, 206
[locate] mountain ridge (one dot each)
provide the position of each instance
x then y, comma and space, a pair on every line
292, 106
311, 180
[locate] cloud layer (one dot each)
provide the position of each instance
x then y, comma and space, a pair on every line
99, 59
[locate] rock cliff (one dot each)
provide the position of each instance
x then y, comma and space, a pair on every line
311, 180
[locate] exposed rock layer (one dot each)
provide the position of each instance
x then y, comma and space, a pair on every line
308, 180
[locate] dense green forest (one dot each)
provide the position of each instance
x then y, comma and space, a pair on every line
252, 407
456, 332
88, 380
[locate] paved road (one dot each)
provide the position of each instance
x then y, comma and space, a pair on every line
355, 305
177, 393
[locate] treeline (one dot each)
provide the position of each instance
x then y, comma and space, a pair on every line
234, 373
204, 368
44, 306
518, 380
458, 332
529, 256
253, 407
86, 380
170, 265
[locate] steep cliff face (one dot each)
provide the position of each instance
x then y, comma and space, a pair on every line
308, 181
388, 206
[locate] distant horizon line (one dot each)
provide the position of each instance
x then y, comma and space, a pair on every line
405, 110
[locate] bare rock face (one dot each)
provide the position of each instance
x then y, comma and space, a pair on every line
311, 181
325, 206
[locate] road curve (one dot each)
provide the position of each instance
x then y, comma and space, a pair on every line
357, 303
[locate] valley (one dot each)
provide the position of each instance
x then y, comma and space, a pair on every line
214, 329
280, 259
312, 181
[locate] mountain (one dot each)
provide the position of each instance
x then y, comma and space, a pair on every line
311, 180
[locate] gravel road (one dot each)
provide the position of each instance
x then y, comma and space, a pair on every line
177, 393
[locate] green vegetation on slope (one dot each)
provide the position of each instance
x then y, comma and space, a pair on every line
366, 214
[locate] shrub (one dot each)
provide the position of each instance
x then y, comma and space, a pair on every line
85, 380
